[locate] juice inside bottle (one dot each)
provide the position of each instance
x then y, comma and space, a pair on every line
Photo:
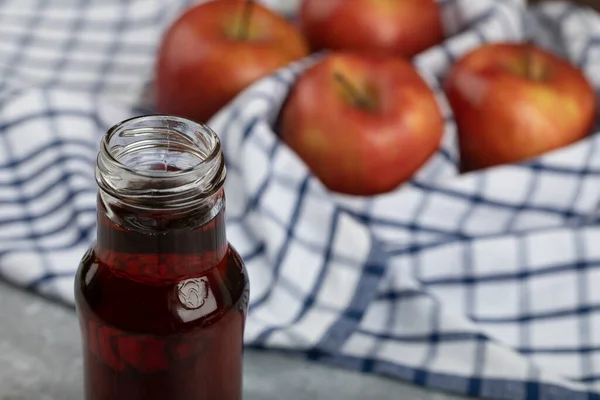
161, 297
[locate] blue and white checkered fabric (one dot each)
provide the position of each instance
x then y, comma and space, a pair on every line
484, 284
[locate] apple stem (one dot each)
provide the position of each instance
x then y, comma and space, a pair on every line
359, 99
246, 16
529, 60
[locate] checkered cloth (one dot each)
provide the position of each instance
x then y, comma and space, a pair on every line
485, 284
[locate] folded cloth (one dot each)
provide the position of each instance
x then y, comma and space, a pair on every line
482, 284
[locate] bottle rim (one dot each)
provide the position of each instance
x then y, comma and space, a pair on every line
130, 146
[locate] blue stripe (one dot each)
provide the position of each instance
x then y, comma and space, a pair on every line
65, 49
502, 388
24, 41
310, 298
21, 201
446, 3
52, 147
582, 349
84, 235
86, 45
108, 63
529, 317
585, 324
57, 160
315, 248
411, 226
570, 9
506, 19
91, 26
68, 222
48, 187
65, 201
449, 336
509, 276
258, 251
475, 386
277, 263
43, 115
403, 295
495, 203
372, 272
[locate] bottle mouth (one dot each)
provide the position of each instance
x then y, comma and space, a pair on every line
160, 162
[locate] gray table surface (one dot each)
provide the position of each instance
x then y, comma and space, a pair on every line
40, 360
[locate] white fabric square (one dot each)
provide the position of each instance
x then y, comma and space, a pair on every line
442, 212
454, 296
485, 219
48, 29
409, 316
359, 345
536, 219
14, 232
12, 265
301, 261
377, 317
550, 248
507, 333
11, 211
28, 103
53, 200
555, 190
411, 354
587, 200
568, 365
594, 327
260, 169
508, 184
564, 333
394, 207
261, 278
76, 72
280, 308
313, 325
351, 240
496, 256
456, 357
278, 202
288, 166
509, 366
33, 187
496, 299
553, 291
338, 286
314, 220
392, 237
441, 262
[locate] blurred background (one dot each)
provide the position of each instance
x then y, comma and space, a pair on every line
422, 227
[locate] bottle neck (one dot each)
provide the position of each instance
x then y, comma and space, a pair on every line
161, 205
158, 247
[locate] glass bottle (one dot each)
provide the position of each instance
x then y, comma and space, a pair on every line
161, 296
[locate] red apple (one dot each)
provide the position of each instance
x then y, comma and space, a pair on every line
514, 101
393, 27
216, 49
362, 123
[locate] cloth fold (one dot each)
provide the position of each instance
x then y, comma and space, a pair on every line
482, 284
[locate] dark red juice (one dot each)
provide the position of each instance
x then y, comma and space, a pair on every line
162, 314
